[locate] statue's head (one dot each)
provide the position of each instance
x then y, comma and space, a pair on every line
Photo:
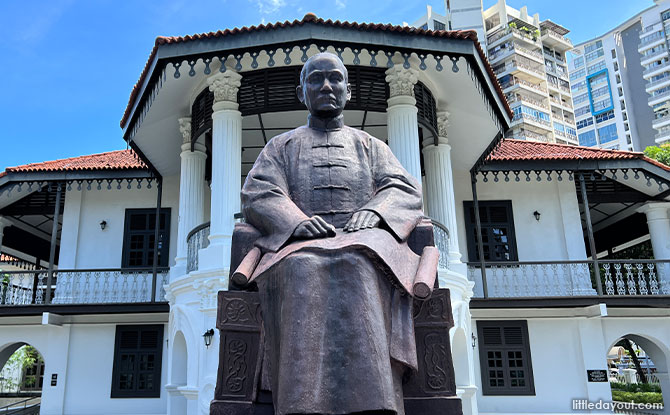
324, 85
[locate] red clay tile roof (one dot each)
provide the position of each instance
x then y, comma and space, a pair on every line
310, 17
521, 150
112, 160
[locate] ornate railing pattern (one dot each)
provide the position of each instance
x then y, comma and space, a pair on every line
441, 234
91, 286
196, 240
569, 278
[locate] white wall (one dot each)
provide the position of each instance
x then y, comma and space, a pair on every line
84, 245
89, 380
558, 371
82, 357
558, 234
562, 350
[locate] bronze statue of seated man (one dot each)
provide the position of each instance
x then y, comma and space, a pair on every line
336, 278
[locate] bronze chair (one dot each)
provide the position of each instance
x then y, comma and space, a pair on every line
240, 387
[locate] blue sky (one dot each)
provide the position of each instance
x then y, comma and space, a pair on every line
68, 65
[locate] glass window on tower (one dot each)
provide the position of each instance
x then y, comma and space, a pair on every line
587, 138
607, 133
439, 25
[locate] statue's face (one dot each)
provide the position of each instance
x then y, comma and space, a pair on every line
324, 89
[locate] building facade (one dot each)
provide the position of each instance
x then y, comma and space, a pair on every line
126, 251
528, 57
609, 90
653, 48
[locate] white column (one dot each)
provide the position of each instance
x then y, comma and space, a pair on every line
191, 193
659, 230
439, 191
226, 169
403, 127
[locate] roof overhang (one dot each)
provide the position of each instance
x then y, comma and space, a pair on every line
433, 53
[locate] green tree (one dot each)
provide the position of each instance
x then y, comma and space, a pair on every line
660, 153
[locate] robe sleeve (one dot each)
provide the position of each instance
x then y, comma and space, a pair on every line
397, 199
265, 199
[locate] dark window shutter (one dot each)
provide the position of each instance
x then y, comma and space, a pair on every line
138, 352
504, 356
138, 238
498, 236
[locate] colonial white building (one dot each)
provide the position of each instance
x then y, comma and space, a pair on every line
127, 250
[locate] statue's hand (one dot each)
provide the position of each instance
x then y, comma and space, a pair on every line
362, 219
314, 227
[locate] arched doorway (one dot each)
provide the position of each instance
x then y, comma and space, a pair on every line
638, 370
179, 373
21, 376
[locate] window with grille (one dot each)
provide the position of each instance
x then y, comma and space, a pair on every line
138, 352
504, 356
138, 238
498, 238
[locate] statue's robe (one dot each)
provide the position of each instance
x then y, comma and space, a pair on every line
339, 331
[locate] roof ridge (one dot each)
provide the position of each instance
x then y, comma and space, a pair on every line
70, 158
310, 18
609, 150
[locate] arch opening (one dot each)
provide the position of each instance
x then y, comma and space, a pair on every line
21, 374
638, 370
178, 374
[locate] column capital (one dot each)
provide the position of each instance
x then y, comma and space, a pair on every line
185, 129
442, 124
401, 81
655, 210
225, 85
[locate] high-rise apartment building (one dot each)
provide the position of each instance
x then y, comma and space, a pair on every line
609, 89
653, 41
528, 57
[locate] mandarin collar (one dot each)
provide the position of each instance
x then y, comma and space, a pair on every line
325, 124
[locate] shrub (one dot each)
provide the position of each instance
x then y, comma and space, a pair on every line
637, 397
639, 387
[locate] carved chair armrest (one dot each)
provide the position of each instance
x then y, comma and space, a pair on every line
244, 236
421, 236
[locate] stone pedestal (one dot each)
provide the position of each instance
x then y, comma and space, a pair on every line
431, 391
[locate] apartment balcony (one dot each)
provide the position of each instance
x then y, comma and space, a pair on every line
663, 135
510, 33
531, 136
521, 69
652, 41
529, 86
556, 41
653, 100
656, 70
516, 50
661, 122
659, 83
646, 60
529, 120
83, 286
523, 99
617, 278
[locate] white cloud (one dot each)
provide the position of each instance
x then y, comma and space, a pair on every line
340, 4
269, 6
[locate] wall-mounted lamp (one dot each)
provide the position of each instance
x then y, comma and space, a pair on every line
537, 215
208, 337
474, 341
103, 225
